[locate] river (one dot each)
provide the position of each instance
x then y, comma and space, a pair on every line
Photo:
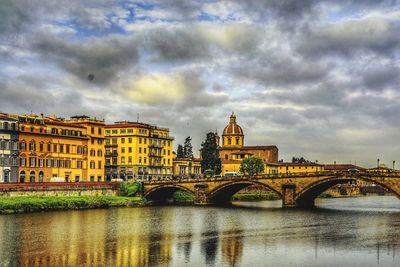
361, 231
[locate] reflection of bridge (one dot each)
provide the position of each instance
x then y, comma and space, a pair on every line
294, 189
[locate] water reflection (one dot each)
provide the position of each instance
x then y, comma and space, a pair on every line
356, 234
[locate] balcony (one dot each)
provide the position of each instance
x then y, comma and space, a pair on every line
112, 154
155, 164
155, 155
111, 145
155, 145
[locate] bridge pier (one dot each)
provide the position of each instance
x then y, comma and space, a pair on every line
201, 194
288, 195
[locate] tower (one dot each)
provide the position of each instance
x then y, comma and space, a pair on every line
232, 135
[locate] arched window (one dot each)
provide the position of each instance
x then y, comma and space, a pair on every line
6, 176
22, 177
41, 174
99, 153
32, 145
32, 177
237, 140
229, 141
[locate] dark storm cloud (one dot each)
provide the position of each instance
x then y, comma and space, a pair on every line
282, 70
176, 44
349, 37
381, 77
101, 57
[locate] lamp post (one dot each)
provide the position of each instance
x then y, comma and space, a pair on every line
393, 164
378, 163
2, 156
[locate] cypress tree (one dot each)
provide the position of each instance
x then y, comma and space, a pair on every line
210, 155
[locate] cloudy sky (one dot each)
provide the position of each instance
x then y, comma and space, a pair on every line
319, 79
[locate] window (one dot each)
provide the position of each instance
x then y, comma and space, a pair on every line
99, 153
54, 147
67, 148
129, 159
48, 147
92, 165
79, 164
92, 130
122, 160
123, 140
48, 163
99, 178
122, 131
77, 178
99, 142
114, 131
229, 141
145, 140
140, 140
237, 140
61, 148
140, 159
129, 149
100, 132
122, 149
32, 162
107, 132
144, 160
99, 164
41, 163
140, 150
130, 140
130, 130
92, 178
144, 150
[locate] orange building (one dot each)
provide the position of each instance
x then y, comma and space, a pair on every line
53, 147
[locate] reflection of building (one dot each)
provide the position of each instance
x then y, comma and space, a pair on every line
232, 150
187, 166
232, 247
53, 147
138, 149
8, 149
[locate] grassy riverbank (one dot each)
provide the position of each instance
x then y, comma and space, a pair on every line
9, 205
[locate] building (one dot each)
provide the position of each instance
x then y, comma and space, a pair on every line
186, 167
289, 167
95, 131
8, 149
233, 150
54, 147
138, 150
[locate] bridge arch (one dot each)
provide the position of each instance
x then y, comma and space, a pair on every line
223, 193
163, 193
306, 197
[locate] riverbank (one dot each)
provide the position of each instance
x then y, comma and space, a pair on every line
10, 205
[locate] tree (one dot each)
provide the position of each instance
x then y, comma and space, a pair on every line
179, 152
210, 155
299, 160
252, 166
187, 148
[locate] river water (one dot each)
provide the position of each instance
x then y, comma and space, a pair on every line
339, 232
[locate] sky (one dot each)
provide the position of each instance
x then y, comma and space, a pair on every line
319, 79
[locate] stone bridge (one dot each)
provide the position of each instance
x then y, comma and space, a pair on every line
294, 189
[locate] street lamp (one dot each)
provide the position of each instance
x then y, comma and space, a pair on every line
2, 156
393, 164
378, 163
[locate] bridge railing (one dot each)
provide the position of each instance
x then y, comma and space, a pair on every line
281, 175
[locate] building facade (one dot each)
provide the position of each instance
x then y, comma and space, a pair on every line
233, 150
95, 131
187, 167
8, 149
53, 148
138, 150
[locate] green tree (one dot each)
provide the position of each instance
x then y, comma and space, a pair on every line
179, 152
188, 148
252, 166
210, 154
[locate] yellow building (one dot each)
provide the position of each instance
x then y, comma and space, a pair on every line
233, 150
96, 151
187, 167
138, 150
234, 166
288, 167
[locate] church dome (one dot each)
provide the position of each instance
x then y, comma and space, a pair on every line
232, 128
